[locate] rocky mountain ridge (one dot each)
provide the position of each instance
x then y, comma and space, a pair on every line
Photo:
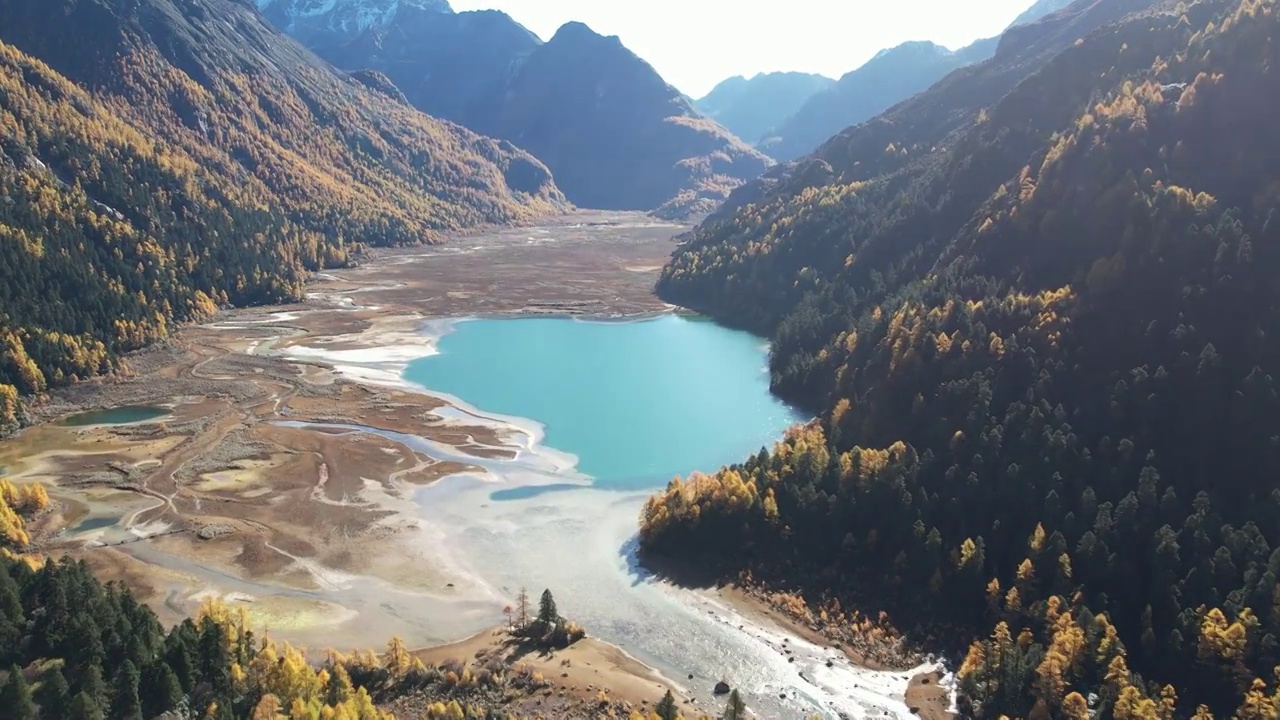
612, 131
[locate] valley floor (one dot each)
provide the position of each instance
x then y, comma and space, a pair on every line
227, 498
280, 478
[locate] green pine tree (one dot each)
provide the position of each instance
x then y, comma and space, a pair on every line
666, 707
548, 615
125, 703
94, 686
214, 657
178, 655
12, 621
54, 696
15, 697
84, 707
160, 691
10, 638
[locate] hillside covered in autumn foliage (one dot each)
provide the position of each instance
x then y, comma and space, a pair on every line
1036, 310
160, 159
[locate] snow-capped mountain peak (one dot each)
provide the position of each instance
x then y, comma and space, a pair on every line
303, 18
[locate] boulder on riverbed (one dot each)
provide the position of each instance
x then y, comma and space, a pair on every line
209, 532
722, 688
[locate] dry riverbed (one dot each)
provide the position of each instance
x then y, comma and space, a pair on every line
276, 480
217, 498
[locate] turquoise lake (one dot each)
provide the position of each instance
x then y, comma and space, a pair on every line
637, 402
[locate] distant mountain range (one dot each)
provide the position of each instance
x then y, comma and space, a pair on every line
614, 134
334, 22
1039, 10
751, 108
450, 65
892, 76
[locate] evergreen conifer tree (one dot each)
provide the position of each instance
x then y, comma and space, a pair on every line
214, 656
93, 686
54, 696
160, 690
84, 707
15, 697
12, 621
548, 615
125, 703
666, 707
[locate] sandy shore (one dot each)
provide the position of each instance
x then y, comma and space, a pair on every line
315, 529
930, 690
299, 475
583, 670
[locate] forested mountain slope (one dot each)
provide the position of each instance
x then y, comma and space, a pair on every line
158, 159
892, 76
1043, 342
910, 140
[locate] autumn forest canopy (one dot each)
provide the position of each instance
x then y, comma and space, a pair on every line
1041, 339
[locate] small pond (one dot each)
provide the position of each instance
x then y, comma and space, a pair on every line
94, 523
122, 415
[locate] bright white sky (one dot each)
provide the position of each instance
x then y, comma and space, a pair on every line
695, 44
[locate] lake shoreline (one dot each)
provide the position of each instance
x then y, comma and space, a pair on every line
268, 495
930, 688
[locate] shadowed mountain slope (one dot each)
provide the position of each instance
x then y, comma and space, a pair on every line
1035, 310
751, 108
613, 132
